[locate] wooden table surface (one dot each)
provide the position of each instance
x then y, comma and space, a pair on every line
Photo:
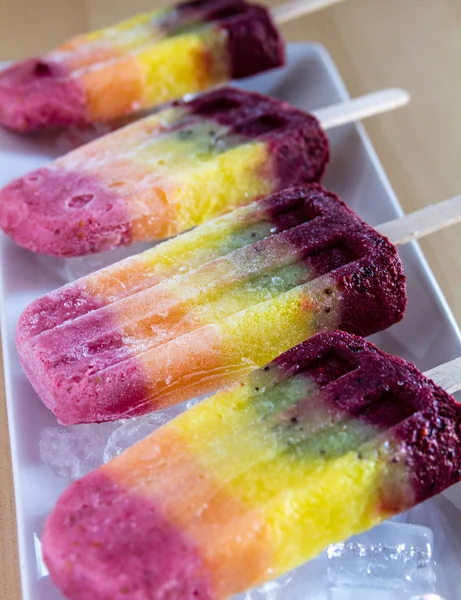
415, 44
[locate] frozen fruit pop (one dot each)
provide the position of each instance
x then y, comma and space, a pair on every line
145, 61
164, 174
326, 441
176, 322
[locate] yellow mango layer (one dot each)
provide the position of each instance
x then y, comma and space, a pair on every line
241, 494
183, 64
199, 180
178, 255
216, 355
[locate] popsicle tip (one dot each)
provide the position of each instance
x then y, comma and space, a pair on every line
37, 93
153, 553
63, 213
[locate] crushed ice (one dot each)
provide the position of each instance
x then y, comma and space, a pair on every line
76, 450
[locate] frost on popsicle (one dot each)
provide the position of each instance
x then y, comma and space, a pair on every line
204, 309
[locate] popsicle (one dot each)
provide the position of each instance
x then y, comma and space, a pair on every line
164, 174
198, 312
150, 59
147, 60
171, 171
324, 442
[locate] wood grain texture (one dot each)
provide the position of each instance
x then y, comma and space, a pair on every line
415, 44
423, 222
9, 573
448, 375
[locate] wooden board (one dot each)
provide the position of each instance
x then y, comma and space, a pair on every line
414, 44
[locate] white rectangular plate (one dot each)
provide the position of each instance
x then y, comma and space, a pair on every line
427, 336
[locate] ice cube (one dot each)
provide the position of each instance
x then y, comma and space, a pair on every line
273, 590
393, 556
73, 451
134, 430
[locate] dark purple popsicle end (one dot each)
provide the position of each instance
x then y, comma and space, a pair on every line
254, 43
417, 416
369, 274
297, 143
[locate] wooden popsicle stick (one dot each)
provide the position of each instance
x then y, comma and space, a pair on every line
299, 8
422, 222
447, 376
361, 107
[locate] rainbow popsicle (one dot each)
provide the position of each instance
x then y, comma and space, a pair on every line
164, 174
145, 61
325, 442
202, 310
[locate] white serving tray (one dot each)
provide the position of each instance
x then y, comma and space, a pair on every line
427, 336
